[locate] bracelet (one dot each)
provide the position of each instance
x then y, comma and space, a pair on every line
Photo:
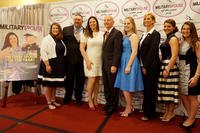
197, 75
166, 70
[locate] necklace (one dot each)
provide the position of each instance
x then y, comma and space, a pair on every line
129, 34
95, 33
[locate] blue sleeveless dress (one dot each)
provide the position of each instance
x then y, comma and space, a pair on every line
131, 82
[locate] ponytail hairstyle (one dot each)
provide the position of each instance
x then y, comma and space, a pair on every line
173, 23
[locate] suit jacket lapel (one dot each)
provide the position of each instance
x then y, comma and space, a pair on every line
71, 30
110, 34
146, 39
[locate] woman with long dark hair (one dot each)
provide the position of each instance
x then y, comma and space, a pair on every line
93, 40
189, 58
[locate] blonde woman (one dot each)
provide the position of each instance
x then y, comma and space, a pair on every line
148, 54
129, 75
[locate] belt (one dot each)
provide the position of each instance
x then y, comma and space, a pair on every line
182, 57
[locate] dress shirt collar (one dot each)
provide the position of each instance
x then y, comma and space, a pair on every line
110, 30
78, 29
146, 33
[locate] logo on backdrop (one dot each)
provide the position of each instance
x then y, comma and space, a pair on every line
58, 14
135, 8
169, 8
82, 9
195, 6
106, 9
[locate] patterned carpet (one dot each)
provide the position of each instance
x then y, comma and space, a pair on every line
23, 115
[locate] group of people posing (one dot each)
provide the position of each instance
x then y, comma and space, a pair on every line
126, 63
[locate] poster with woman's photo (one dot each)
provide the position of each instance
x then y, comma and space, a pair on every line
19, 51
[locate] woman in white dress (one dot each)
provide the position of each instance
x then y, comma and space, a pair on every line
91, 50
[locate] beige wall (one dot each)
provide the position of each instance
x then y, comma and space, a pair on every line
10, 3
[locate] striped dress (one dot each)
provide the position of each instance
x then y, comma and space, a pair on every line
168, 87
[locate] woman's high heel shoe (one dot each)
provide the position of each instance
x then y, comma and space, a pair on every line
96, 106
168, 119
192, 125
56, 104
51, 106
124, 114
92, 108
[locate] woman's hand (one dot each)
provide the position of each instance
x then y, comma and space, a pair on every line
89, 65
113, 69
144, 71
127, 70
48, 68
165, 73
193, 82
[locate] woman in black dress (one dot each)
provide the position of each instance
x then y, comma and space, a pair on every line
52, 67
189, 57
169, 74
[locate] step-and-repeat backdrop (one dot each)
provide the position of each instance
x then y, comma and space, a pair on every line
179, 10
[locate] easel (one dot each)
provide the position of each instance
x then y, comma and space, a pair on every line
6, 86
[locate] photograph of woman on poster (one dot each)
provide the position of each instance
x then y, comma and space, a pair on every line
10, 58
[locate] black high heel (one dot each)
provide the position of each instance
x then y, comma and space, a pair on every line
55, 104
182, 119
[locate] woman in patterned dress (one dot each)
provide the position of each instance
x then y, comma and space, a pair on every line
169, 75
189, 57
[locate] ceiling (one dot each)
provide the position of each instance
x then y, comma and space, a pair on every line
11, 3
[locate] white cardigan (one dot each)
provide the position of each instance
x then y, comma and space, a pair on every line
48, 48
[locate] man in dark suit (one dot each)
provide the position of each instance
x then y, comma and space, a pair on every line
112, 49
75, 77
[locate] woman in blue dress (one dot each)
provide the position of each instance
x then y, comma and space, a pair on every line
129, 76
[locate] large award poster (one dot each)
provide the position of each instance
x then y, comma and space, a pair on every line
19, 51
